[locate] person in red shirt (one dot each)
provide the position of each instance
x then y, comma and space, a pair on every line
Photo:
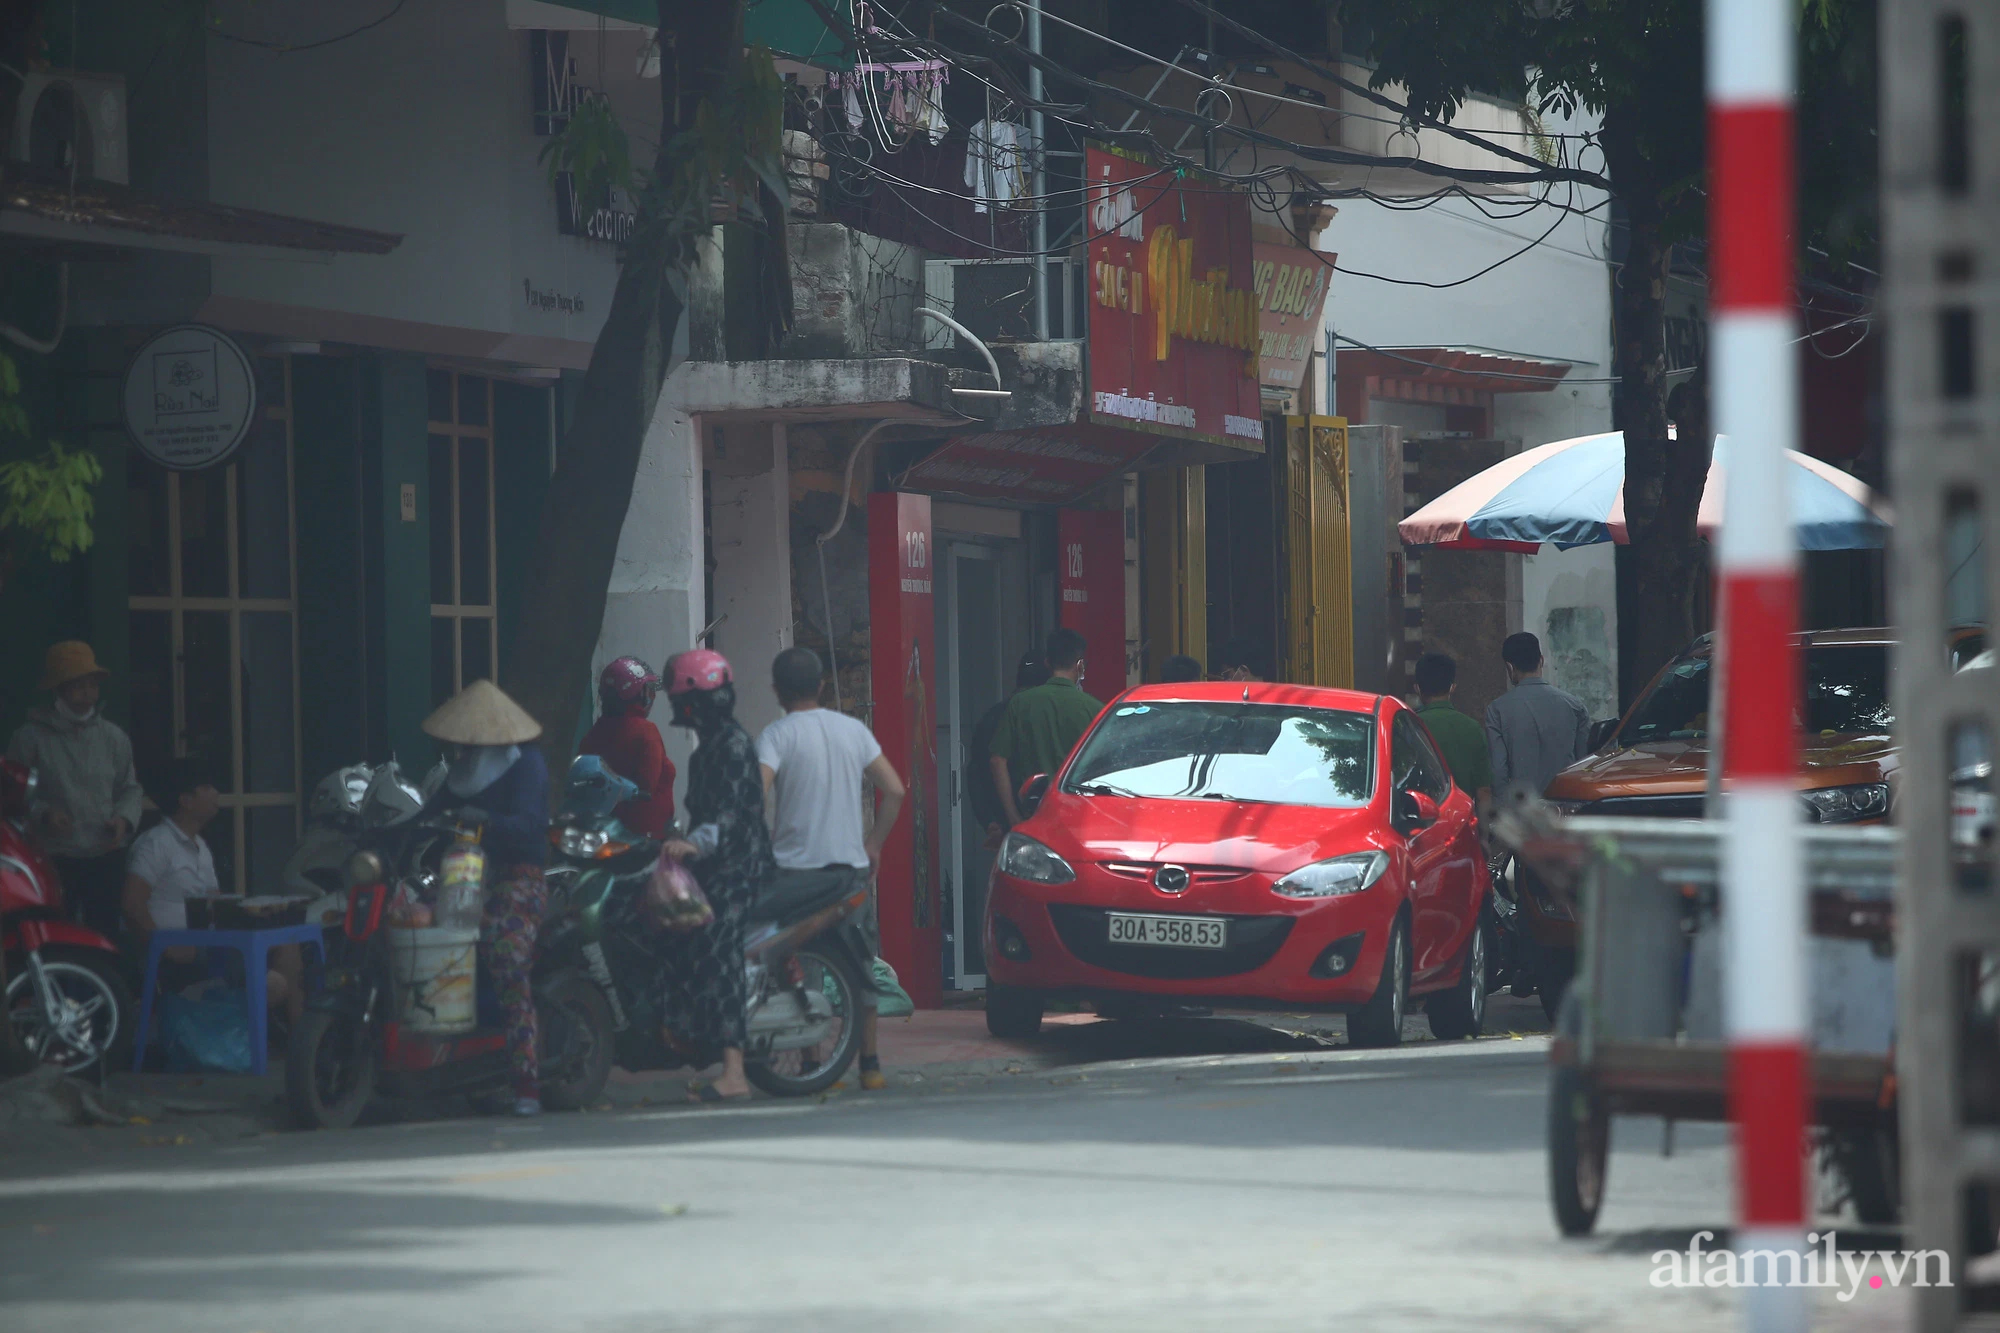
630, 746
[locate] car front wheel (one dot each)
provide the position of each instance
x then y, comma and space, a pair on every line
1013, 1013
1460, 1012
1380, 1021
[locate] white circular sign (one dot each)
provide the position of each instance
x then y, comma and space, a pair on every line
190, 397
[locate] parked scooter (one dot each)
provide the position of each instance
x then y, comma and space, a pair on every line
803, 958
67, 1002
351, 1042
1535, 935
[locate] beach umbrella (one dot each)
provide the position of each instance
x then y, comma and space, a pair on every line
1572, 493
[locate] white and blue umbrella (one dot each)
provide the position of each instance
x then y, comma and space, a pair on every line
1572, 493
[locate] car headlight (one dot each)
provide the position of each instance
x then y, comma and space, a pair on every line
1024, 858
1338, 875
583, 844
1567, 807
1844, 805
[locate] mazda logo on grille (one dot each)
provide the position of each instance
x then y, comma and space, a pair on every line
1171, 879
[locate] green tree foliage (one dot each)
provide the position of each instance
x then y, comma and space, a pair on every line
47, 499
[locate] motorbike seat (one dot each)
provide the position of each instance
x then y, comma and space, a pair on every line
797, 895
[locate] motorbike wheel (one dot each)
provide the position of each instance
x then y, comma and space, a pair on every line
804, 1072
1867, 1158
1579, 1129
587, 1049
329, 1069
96, 1019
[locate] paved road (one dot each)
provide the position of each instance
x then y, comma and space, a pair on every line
1280, 1190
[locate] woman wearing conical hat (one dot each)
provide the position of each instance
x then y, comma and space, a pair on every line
495, 770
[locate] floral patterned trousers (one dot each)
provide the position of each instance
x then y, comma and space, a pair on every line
514, 906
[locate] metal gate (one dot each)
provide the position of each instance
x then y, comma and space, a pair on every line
1941, 195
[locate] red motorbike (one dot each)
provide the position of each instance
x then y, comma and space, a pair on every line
67, 1002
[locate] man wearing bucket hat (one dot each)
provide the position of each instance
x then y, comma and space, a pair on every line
496, 771
89, 796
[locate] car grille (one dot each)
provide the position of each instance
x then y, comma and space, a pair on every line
1196, 874
1253, 941
1647, 807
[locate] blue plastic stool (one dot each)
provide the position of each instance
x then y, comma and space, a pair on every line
255, 946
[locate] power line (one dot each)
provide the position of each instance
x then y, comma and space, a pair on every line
287, 48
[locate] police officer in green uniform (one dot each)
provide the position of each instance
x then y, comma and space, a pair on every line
1043, 724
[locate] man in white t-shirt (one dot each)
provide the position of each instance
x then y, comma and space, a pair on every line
816, 763
170, 863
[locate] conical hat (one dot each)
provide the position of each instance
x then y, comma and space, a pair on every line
481, 714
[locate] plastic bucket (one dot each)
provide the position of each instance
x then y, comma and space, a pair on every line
436, 970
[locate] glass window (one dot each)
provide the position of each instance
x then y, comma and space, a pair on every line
443, 590
205, 533
472, 400
439, 384
152, 717
475, 509
444, 670
210, 734
146, 554
264, 514
1414, 765
1272, 753
476, 650
267, 701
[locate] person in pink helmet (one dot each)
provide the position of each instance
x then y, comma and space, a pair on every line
728, 847
625, 738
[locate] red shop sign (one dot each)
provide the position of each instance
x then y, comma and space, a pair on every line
1174, 320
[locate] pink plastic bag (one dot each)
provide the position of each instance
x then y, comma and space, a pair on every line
673, 900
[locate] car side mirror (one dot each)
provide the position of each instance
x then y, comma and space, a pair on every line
1414, 810
1602, 731
1032, 792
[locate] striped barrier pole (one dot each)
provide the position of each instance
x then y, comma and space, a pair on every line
1751, 190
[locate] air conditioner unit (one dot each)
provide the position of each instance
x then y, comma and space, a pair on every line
62, 118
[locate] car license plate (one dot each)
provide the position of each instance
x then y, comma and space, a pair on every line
1174, 932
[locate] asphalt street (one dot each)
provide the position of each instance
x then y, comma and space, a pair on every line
1282, 1190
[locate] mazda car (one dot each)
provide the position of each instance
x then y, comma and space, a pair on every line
1260, 846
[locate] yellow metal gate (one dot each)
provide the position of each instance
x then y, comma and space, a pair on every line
1319, 595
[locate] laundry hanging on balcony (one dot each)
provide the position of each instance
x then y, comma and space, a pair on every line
904, 98
997, 157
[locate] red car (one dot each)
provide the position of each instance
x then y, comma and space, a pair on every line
1262, 846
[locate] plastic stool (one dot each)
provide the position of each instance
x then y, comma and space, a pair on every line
255, 946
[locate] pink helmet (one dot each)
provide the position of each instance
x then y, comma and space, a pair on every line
696, 670
630, 682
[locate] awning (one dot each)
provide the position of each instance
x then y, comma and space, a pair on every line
97, 218
788, 27
1449, 374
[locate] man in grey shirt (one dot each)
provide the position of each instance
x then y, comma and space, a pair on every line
1534, 730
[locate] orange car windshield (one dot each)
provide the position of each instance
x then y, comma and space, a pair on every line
1845, 692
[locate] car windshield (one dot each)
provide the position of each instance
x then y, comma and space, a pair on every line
1277, 753
1846, 692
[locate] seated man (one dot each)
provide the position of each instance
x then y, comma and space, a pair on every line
171, 863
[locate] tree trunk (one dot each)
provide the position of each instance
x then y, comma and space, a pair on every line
562, 606
1663, 477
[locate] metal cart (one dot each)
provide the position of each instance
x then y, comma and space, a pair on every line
1640, 1032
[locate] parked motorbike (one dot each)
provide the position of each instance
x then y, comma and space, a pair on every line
1534, 937
67, 1001
352, 1044
804, 959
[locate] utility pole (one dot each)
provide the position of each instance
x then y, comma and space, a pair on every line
1751, 188
1038, 179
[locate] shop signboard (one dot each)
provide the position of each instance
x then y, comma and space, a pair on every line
902, 648
1174, 326
190, 397
1090, 575
1050, 466
1291, 283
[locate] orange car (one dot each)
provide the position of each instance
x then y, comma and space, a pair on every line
1654, 762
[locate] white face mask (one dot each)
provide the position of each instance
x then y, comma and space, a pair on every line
62, 706
478, 767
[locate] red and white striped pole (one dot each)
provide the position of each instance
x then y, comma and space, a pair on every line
1751, 356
